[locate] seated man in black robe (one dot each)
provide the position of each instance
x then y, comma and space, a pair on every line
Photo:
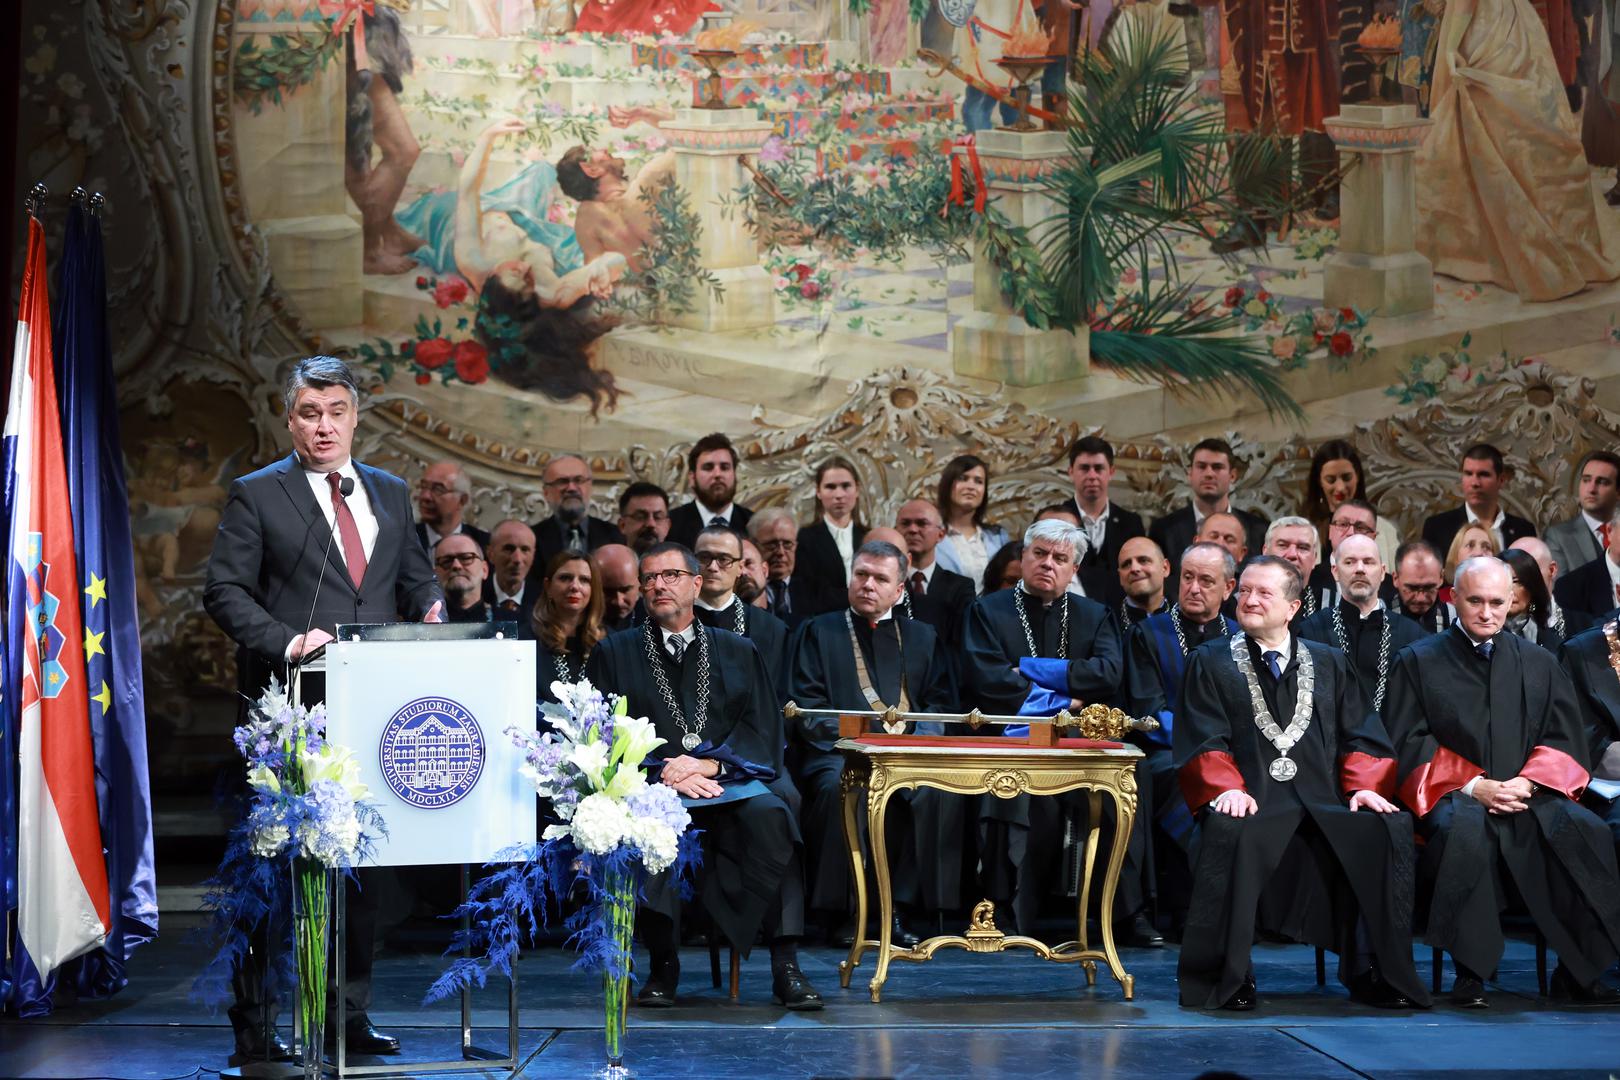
1359, 625
708, 694
1493, 758
1155, 662
863, 658
1592, 661
1291, 778
1021, 837
719, 553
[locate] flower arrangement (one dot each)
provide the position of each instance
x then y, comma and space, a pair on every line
434, 352
1337, 334
1453, 369
800, 281
612, 829
307, 807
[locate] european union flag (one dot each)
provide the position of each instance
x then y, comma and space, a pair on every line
112, 642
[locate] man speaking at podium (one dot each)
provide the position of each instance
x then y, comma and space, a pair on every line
309, 542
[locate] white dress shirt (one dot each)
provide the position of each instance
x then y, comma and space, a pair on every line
688, 635
359, 506
708, 515
844, 540
1495, 526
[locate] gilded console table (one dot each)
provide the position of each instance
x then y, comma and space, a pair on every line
880, 766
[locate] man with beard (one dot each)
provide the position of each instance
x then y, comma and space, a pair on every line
442, 495
937, 596
1295, 539
461, 570
1492, 758
862, 658
712, 469
1353, 517
508, 591
1359, 625
1142, 571
644, 516
792, 599
751, 582
1038, 618
709, 695
1592, 661
571, 527
620, 586
1418, 580
719, 554
1291, 777
1155, 661
613, 215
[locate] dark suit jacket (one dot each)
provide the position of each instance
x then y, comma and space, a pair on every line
818, 560
267, 566
943, 606
685, 522
550, 537
471, 530
807, 598
531, 593
1122, 525
1176, 530
1585, 592
1440, 529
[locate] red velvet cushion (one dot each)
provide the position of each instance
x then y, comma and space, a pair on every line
977, 742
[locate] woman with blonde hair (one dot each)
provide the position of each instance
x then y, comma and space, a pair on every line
1473, 539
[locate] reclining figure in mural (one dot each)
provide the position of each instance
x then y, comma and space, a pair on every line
614, 214
538, 295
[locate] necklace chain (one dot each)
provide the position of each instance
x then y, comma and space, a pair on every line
1343, 639
1029, 635
1283, 740
1181, 635
690, 735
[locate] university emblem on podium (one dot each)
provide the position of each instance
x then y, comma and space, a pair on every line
432, 753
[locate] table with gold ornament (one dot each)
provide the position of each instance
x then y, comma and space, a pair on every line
1047, 761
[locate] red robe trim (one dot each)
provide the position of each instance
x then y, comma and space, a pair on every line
1432, 781
1556, 770
1206, 776
1363, 772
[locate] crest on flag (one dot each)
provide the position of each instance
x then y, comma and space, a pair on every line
42, 607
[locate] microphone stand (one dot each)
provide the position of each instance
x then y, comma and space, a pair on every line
345, 489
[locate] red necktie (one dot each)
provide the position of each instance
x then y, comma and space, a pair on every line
919, 584
1603, 535
354, 552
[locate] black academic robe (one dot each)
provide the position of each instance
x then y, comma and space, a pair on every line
1436, 619
1364, 640
1154, 666
1454, 716
566, 666
685, 522
818, 561
1585, 658
1021, 838
925, 834
1129, 616
751, 877
765, 630
1304, 841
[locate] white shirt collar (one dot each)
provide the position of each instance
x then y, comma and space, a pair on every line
1501, 516
1471, 639
1286, 648
688, 635
706, 606
502, 596
1592, 523
346, 469
708, 515
839, 532
926, 571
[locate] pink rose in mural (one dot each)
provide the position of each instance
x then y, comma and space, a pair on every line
452, 290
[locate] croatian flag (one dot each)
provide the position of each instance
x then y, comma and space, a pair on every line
55, 863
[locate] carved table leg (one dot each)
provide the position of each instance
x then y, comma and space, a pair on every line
1124, 792
853, 785
877, 800
1088, 863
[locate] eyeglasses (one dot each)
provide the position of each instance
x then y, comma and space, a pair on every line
720, 559
438, 491
645, 516
668, 577
1420, 589
568, 481
778, 545
1360, 528
465, 558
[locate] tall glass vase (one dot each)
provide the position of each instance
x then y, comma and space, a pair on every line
312, 934
619, 911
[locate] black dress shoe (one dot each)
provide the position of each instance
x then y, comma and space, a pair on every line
900, 935
658, 992
1469, 993
1597, 996
251, 1047
844, 936
360, 1037
1140, 933
1369, 989
791, 990
1246, 998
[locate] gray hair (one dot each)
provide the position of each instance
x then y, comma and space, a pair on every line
1228, 564
1294, 521
1480, 564
882, 549
671, 547
318, 373
768, 517
1053, 531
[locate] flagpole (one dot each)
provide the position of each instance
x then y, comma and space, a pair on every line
35, 199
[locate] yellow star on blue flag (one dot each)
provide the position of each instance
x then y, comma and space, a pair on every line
92, 644
104, 699
96, 590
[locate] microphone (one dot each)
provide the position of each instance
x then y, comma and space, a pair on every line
345, 488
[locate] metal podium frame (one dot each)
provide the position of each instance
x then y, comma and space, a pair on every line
473, 1058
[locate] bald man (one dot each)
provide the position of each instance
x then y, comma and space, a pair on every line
442, 496
620, 587
569, 483
1143, 570
1492, 756
937, 596
1226, 530
1359, 625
